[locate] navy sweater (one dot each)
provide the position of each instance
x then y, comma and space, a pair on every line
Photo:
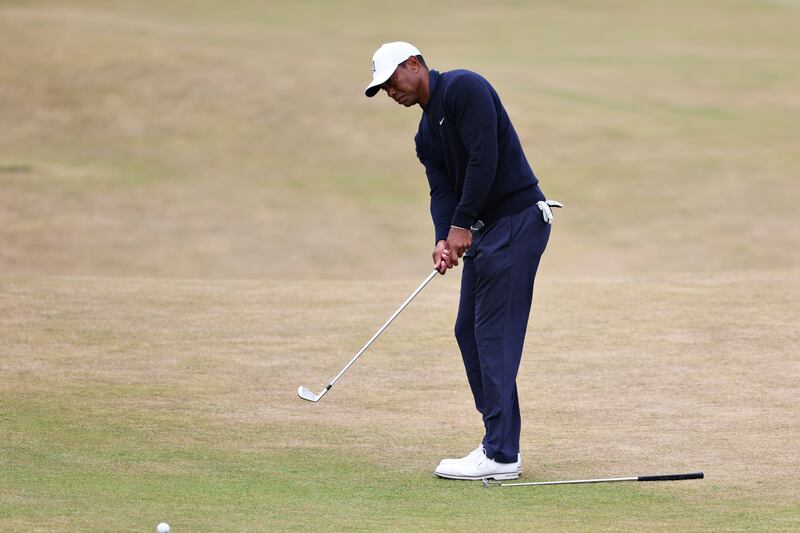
472, 155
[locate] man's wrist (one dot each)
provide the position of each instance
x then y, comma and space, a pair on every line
462, 220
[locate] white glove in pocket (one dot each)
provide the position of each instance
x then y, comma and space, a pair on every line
547, 213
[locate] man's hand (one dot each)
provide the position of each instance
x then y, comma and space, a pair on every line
459, 240
443, 257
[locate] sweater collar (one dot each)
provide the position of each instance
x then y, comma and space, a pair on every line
433, 85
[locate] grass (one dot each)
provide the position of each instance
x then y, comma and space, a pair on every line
230, 139
199, 211
210, 486
131, 402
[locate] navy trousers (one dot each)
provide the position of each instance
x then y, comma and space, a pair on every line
496, 296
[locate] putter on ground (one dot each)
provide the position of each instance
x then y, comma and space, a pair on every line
306, 394
665, 477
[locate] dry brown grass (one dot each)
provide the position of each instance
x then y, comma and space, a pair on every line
196, 140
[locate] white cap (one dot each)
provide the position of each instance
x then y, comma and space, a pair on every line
385, 61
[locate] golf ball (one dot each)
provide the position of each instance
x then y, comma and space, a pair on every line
163, 527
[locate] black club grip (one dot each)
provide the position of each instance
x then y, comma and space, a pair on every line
672, 477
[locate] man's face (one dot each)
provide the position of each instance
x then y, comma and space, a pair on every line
403, 85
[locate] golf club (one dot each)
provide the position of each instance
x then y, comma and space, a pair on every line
665, 477
306, 394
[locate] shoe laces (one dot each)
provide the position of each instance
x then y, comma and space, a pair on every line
482, 457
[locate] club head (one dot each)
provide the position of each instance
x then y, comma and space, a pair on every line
307, 395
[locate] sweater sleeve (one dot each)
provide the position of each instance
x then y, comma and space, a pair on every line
475, 117
443, 196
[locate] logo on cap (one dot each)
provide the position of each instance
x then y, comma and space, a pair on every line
373, 66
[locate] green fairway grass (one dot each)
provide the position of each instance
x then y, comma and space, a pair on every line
209, 485
200, 211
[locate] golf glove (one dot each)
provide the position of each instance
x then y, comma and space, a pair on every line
547, 213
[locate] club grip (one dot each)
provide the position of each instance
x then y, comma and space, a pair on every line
672, 477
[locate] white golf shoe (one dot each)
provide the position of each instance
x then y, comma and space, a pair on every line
474, 454
477, 466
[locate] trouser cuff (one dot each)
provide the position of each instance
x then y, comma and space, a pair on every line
500, 458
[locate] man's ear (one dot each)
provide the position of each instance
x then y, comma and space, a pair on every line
412, 63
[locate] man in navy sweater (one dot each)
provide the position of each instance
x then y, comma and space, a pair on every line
487, 208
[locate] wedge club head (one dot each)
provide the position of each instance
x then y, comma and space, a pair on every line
306, 394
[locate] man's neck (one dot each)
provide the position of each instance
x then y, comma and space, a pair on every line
425, 89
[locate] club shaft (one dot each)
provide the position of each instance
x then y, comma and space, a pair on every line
391, 318
665, 477
570, 482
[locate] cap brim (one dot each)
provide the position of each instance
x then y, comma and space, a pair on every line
373, 88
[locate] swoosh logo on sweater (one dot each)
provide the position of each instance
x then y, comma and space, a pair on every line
441, 121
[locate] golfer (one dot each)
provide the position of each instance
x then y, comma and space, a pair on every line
488, 210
